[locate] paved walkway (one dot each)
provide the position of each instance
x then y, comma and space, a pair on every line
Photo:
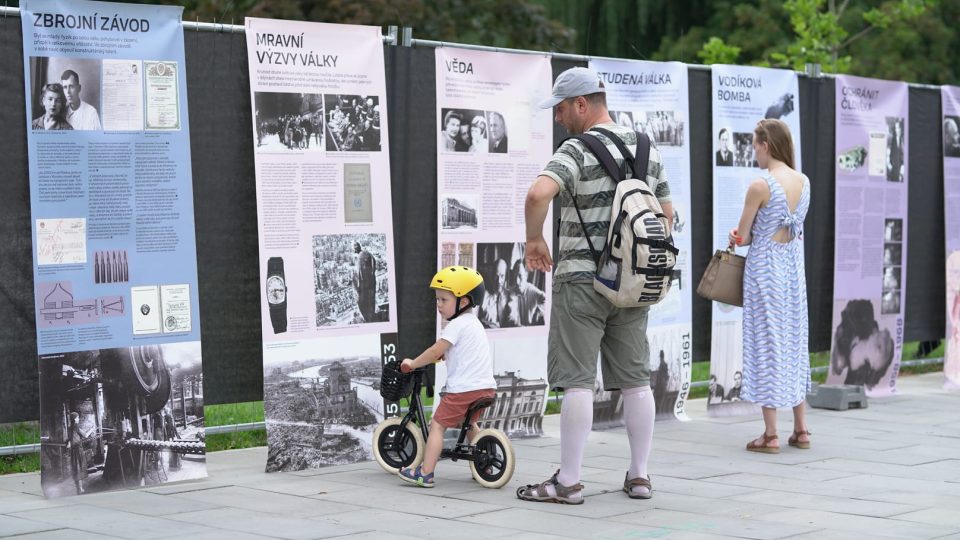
892, 470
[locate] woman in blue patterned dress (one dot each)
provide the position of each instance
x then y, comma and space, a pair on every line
776, 362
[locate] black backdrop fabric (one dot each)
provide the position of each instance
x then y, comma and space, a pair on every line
226, 217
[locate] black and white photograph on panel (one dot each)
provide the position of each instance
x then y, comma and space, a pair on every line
892, 254
891, 278
287, 121
514, 296
607, 404
322, 406
852, 159
862, 351
497, 133
781, 108
951, 136
666, 369
726, 370
65, 93
890, 303
350, 279
448, 254
459, 211
724, 154
665, 128
743, 148
464, 130
623, 118
519, 405
465, 254
893, 230
895, 151
353, 123
121, 418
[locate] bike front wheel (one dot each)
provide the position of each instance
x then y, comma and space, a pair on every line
493, 459
395, 447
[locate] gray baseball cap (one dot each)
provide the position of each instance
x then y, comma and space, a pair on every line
578, 81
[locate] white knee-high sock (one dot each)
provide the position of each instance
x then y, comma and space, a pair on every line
638, 414
576, 421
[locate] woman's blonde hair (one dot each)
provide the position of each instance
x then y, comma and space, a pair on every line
776, 134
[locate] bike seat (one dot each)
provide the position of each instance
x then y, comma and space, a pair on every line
481, 403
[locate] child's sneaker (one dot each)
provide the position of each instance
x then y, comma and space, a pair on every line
416, 477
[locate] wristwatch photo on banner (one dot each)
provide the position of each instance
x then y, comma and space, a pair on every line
277, 294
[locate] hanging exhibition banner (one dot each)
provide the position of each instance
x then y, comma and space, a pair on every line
325, 224
652, 97
492, 143
871, 232
115, 271
742, 96
950, 96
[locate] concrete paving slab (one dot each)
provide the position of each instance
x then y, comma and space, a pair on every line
65, 534
715, 524
859, 524
243, 498
22, 483
860, 507
110, 522
412, 500
536, 521
12, 526
892, 470
145, 503
759, 481
420, 526
734, 465
24, 502
228, 520
934, 516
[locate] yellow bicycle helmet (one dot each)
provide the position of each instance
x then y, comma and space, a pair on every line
462, 281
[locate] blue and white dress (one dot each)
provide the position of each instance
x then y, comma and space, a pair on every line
776, 361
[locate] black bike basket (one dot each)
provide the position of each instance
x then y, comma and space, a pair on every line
394, 384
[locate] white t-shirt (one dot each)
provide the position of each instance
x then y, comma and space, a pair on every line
469, 366
84, 118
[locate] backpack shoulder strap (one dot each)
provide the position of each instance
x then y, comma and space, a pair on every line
609, 165
638, 163
642, 162
599, 150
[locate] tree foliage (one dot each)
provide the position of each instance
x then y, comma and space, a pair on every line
914, 40
502, 23
715, 51
822, 34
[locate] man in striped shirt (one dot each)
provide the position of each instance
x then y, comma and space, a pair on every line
582, 322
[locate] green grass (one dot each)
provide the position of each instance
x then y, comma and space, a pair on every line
234, 413
242, 413
17, 434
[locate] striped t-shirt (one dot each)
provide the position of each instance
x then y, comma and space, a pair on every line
579, 173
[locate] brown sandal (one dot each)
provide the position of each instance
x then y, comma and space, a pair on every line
765, 446
564, 494
795, 441
630, 483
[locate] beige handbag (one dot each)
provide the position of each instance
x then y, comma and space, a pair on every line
723, 280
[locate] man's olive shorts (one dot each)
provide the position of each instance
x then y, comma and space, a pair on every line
584, 323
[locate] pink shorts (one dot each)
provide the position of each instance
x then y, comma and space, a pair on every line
453, 407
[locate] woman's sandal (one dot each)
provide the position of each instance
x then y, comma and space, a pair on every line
765, 446
795, 441
539, 493
629, 484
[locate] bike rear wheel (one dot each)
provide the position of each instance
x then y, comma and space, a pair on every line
494, 461
395, 447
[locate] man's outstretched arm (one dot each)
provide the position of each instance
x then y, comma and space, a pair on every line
537, 204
